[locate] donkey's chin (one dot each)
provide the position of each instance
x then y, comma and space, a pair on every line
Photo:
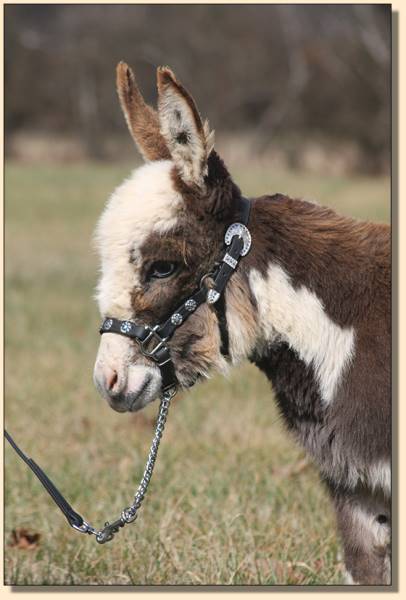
136, 401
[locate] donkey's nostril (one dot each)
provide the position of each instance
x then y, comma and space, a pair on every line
111, 379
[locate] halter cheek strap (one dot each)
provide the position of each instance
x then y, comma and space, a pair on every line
153, 340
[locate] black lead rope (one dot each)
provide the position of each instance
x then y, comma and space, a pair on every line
153, 344
74, 519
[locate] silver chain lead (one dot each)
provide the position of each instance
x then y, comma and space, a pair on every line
129, 514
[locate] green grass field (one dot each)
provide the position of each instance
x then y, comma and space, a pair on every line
232, 500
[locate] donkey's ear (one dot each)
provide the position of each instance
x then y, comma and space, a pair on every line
142, 120
187, 138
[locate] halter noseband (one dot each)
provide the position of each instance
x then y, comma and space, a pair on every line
153, 340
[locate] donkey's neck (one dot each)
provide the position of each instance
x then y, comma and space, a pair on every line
297, 287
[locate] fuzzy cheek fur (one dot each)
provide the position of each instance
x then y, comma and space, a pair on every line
195, 348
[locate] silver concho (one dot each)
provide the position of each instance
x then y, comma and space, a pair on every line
240, 230
107, 324
176, 319
212, 296
125, 327
190, 305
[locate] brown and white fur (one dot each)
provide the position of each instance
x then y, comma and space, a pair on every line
309, 305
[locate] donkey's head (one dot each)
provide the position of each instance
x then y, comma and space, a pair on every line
160, 232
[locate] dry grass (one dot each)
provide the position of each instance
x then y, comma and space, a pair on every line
232, 501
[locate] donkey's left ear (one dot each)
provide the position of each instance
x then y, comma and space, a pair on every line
188, 139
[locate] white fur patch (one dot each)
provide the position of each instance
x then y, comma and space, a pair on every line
243, 327
376, 476
146, 202
241, 343
348, 580
379, 476
297, 316
369, 528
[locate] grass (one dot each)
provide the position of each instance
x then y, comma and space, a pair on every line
232, 501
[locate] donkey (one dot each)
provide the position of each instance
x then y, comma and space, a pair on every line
309, 305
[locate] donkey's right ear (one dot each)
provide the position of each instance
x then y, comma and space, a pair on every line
142, 120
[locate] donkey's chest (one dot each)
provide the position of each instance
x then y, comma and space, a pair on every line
295, 386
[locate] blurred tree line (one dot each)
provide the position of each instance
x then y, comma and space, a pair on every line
270, 70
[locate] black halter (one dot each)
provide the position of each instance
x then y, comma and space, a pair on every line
153, 340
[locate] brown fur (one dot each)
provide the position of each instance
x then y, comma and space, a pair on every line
142, 120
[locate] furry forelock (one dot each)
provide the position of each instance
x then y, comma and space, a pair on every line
146, 202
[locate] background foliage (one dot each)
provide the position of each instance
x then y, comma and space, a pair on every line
285, 74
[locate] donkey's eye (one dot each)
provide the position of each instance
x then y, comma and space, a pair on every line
161, 269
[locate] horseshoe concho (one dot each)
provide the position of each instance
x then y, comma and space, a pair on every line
243, 232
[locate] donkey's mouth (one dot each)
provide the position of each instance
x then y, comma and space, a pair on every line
137, 400
127, 401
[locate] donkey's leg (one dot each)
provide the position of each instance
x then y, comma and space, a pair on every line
363, 519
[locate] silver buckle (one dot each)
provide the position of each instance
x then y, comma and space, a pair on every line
151, 335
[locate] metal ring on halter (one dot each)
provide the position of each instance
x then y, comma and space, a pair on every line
152, 334
203, 279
